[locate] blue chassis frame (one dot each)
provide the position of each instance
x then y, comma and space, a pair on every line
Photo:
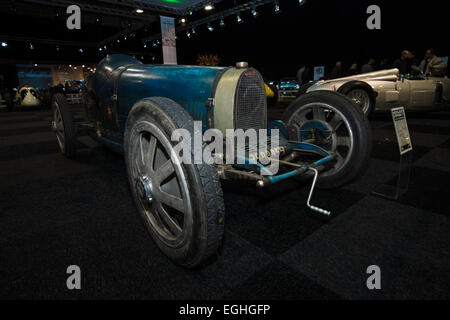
250, 164
296, 146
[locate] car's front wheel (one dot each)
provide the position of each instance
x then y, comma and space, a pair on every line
181, 203
331, 121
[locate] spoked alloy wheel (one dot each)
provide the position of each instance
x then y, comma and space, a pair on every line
361, 98
160, 185
329, 129
58, 127
63, 126
181, 203
331, 121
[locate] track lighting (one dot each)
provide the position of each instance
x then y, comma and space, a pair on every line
210, 28
254, 12
239, 19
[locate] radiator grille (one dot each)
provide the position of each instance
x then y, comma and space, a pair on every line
250, 102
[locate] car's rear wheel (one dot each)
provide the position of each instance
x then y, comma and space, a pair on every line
181, 203
63, 125
331, 121
362, 99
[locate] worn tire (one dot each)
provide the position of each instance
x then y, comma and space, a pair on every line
68, 146
204, 189
358, 158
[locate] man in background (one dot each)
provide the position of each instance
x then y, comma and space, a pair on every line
368, 67
431, 65
402, 63
337, 70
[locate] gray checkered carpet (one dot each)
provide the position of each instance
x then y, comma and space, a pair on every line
56, 212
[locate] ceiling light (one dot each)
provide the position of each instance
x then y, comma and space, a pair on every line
31, 46
222, 22
80, 50
4, 44
209, 6
254, 12
188, 34
210, 27
139, 11
239, 19
193, 31
301, 2
35, 65
183, 20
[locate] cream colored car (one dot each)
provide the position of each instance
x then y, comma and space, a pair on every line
383, 90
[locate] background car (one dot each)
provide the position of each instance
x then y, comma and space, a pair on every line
385, 89
27, 96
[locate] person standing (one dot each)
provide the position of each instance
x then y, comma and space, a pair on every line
368, 67
337, 70
402, 63
300, 75
431, 65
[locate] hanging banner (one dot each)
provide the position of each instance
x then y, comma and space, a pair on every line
169, 45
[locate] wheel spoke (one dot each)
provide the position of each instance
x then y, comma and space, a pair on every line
168, 220
318, 113
343, 141
336, 122
171, 200
164, 171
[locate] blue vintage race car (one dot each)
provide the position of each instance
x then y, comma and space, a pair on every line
134, 108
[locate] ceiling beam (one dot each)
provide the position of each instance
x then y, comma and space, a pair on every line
217, 16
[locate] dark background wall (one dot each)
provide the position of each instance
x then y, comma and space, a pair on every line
321, 32
318, 33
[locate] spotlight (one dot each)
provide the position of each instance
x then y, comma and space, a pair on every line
301, 2
70, 66
35, 64
31, 46
145, 45
254, 12
100, 49
183, 20
210, 28
276, 9
80, 50
222, 22
104, 47
139, 11
188, 34
239, 19
193, 31
98, 20
4, 44
118, 41
125, 38
83, 66
154, 44
209, 6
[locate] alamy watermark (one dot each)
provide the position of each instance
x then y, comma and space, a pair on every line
236, 147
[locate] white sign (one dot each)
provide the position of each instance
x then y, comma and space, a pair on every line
401, 129
169, 45
319, 72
